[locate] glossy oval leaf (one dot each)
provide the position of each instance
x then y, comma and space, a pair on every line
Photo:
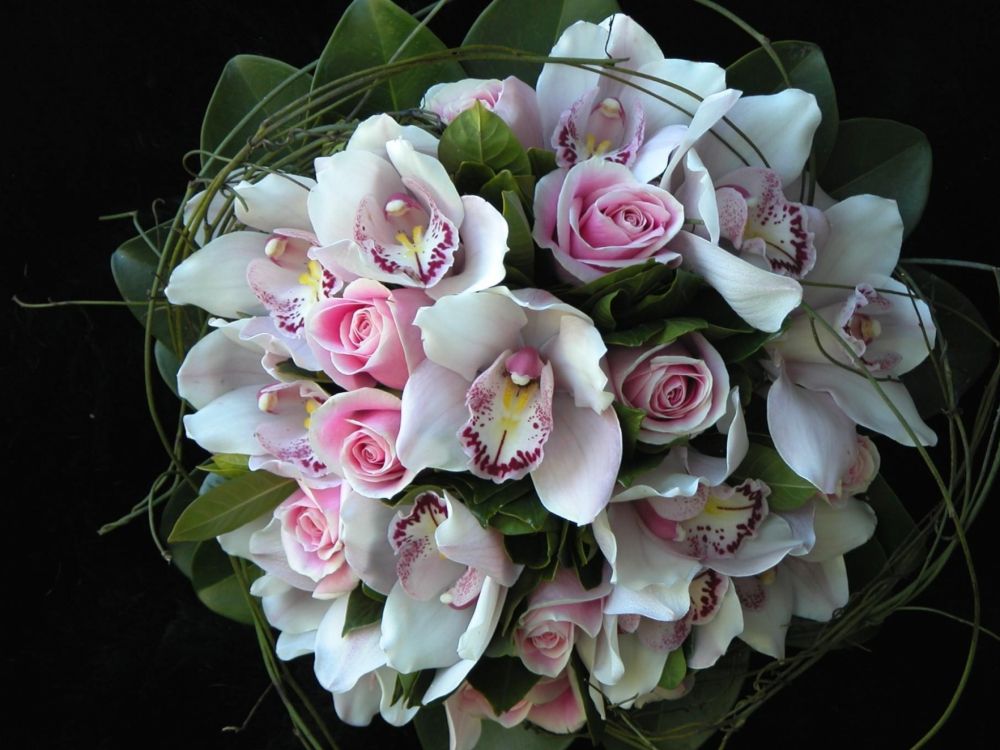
368, 35
231, 505
970, 345
250, 88
881, 157
133, 266
528, 25
481, 137
216, 585
788, 490
756, 73
521, 252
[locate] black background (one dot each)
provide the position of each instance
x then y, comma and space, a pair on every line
107, 646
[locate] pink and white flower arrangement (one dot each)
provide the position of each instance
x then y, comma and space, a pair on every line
568, 383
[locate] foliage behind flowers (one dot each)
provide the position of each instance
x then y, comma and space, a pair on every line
540, 400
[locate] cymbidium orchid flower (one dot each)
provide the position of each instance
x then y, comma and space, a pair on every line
244, 409
589, 115
813, 585
386, 210
511, 99
266, 273
511, 385
818, 396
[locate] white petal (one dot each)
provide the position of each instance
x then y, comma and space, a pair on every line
228, 424
582, 457
484, 245
217, 365
840, 529
277, 201
465, 332
462, 539
358, 706
447, 680
712, 639
432, 414
811, 434
293, 645
866, 233
765, 625
421, 635
215, 277
237, 541
430, 173
372, 135
342, 660
364, 527
778, 537
650, 578
781, 126
703, 79
820, 588
859, 400
294, 611
643, 668
576, 355
761, 298
348, 178
485, 617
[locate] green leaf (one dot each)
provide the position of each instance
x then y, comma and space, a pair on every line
362, 611
368, 35
231, 505
216, 585
227, 465
181, 553
531, 550
656, 333
756, 73
895, 526
167, 364
503, 682
742, 346
528, 25
674, 671
525, 515
503, 181
133, 266
542, 161
630, 420
881, 157
521, 255
969, 348
788, 490
248, 84
471, 176
595, 721
714, 693
481, 137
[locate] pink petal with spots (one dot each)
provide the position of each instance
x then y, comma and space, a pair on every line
508, 423
423, 572
730, 516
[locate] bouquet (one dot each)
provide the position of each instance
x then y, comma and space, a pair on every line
544, 383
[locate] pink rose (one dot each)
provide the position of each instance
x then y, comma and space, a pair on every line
367, 335
682, 386
354, 433
546, 632
306, 530
597, 217
511, 99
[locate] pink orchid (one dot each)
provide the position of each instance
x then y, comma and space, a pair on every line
511, 380
510, 99
383, 209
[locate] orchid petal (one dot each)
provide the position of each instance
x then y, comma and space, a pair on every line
761, 298
767, 613
341, 660
364, 523
421, 634
374, 133
575, 355
484, 245
859, 400
779, 126
433, 412
712, 639
276, 201
811, 434
358, 706
840, 529
820, 589
214, 278
464, 332
582, 458
462, 539
228, 424
216, 365
423, 572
